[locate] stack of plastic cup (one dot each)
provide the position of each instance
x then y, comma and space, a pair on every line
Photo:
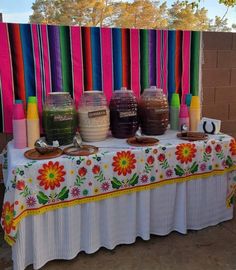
195, 113
33, 132
19, 125
174, 111
183, 117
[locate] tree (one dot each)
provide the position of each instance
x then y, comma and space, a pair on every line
131, 14
228, 3
184, 15
143, 14
99, 13
73, 12
219, 25
234, 27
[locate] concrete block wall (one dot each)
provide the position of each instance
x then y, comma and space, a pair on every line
219, 79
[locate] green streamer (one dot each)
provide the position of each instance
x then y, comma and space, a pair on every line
66, 59
144, 59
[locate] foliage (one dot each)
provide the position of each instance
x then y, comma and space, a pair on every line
131, 14
219, 25
184, 15
228, 3
73, 12
143, 14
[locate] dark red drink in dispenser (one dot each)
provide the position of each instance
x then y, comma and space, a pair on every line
153, 112
123, 114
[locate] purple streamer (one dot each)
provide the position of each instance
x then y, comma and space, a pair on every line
55, 57
152, 56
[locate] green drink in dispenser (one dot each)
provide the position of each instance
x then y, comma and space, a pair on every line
59, 118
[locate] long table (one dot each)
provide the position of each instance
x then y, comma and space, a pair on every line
114, 196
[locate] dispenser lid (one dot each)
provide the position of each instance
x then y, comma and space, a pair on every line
93, 98
123, 90
92, 92
153, 88
58, 93
59, 99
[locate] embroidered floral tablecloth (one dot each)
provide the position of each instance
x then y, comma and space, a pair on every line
34, 187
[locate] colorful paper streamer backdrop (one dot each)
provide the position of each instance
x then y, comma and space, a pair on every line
38, 59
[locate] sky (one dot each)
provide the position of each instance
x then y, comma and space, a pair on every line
19, 10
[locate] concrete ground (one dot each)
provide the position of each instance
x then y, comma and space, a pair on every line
213, 248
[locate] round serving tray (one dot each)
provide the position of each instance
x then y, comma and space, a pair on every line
191, 137
85, 150
144, 141
35, 155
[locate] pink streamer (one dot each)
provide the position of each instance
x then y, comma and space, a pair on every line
46, 59
6, 76
77, 63
165, 61
186, 62
135, 61
158, 53
107, 74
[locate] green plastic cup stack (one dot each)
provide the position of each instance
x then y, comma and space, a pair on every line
174, 111
32, 99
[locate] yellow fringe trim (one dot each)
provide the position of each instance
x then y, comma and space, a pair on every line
9, 240
113, 194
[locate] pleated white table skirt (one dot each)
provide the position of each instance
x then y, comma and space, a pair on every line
63, 233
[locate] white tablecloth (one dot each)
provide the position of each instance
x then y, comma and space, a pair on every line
63, 233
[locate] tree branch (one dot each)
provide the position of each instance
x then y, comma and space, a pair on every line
224, 14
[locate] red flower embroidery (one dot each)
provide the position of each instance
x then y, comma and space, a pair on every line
208, 149
218, 148
8, 217
82, 172
124, 162
185, 152
20, 185
150, 160
232, 146
161, 157
96, 169
51, 175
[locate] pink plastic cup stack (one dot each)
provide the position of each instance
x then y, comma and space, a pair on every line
183, 117
19, 125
